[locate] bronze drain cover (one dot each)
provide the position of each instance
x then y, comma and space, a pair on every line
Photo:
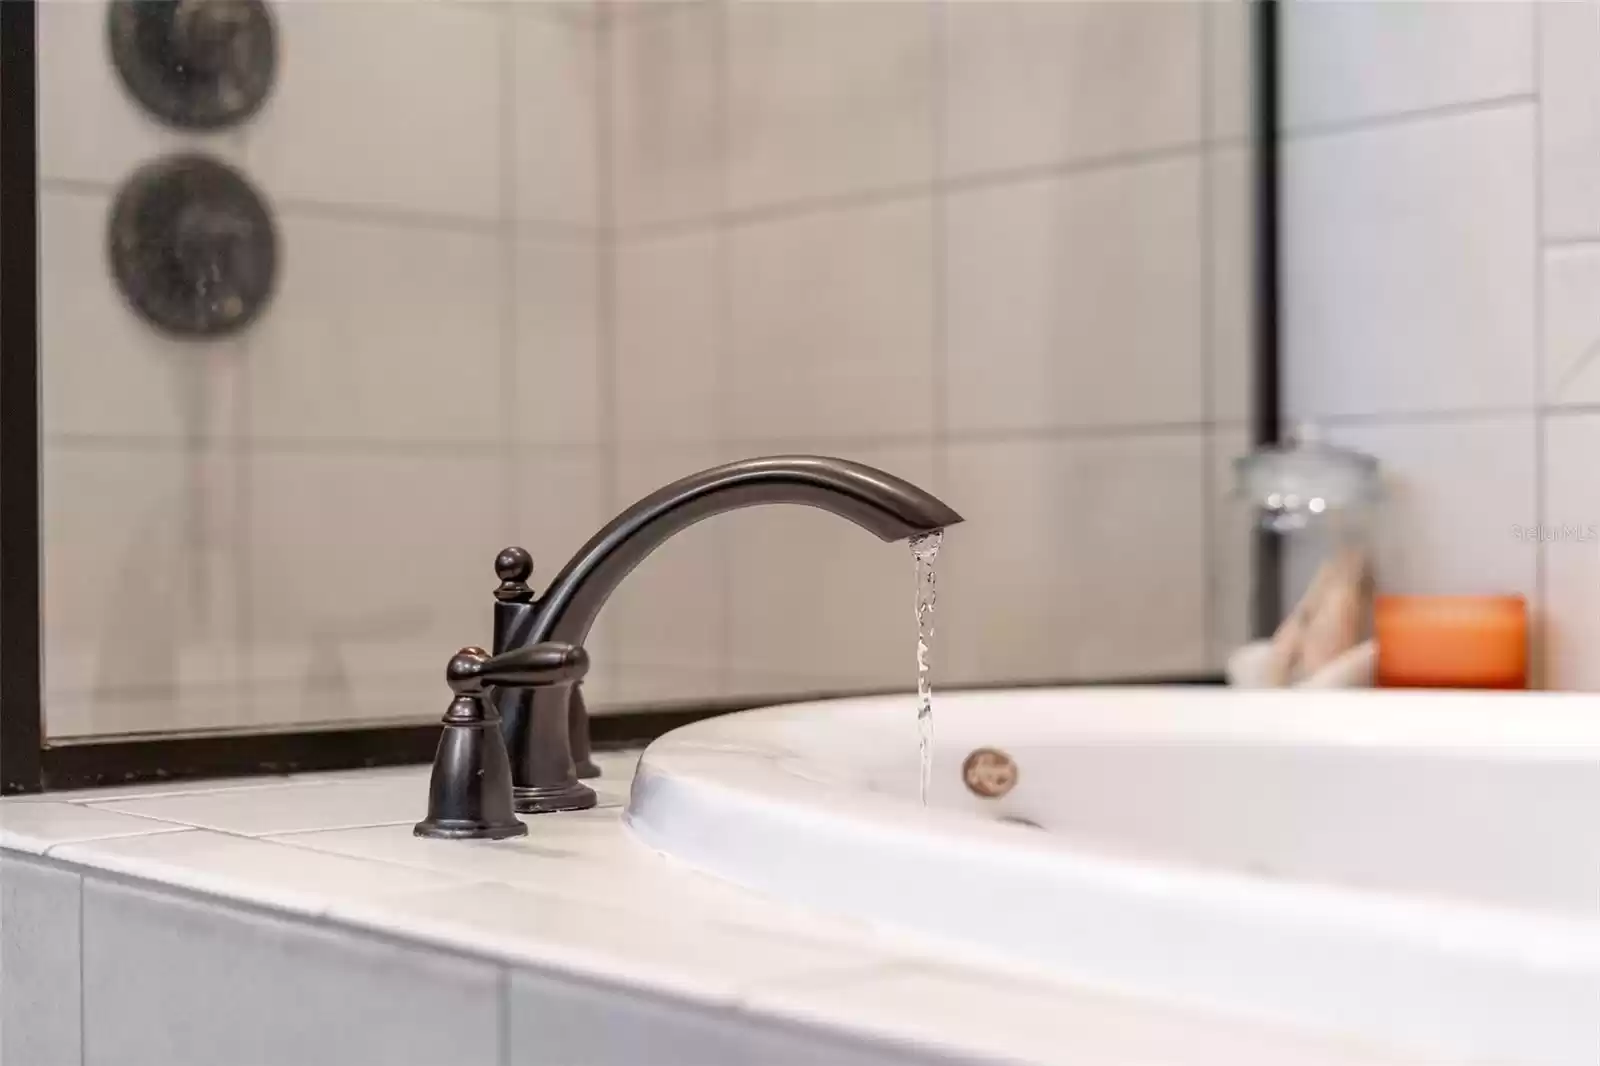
989, 772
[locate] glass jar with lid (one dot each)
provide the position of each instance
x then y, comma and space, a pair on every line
1316, 505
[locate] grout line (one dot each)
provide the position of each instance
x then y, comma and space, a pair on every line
152, 690
78, 186
266, 687
164, 827
1576, 369
554, 230
83, 1011
892, 194
454, 449
510, 501
1335, 127
263, 838
235, 906
951, 437
316, 446
271, 727
577, 14
504, 1015
1540, 667
605, 304
243, 538
267, 782
372, 214
1083, 433
722, 256
1055, 171
636, 11
939, 267
402, 218
1570, 240
1420, 418
1208, 510
1581, 409
1064, 169
124, 443
605, 280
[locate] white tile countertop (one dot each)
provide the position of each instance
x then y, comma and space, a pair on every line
580, 896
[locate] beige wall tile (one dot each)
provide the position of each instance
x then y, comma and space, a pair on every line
670, 304
366, 572
1408, 265
1230, 68
831, 324
1569, 95
1231, 560
667, 141
1453, 492
817, 604
1051, 292
412, 125
1572, 324
1230, 246
1350, 61
558, 357
1572, 561
1079, 558
1032, 84
103, 370
141, 589
90, 128
669, 618
555, 107
825, 99
379, 332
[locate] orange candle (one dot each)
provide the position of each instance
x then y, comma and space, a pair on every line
1451, 641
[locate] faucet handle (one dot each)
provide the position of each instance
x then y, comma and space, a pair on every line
513, 566
536, 666
472, 671
470, 793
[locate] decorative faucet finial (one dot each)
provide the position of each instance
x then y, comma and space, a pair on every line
513, 566
464, 674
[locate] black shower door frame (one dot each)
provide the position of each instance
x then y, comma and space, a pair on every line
30, 761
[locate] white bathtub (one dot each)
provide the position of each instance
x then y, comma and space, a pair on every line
1421, 870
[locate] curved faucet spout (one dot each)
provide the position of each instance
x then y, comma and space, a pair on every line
884, 505
547, 729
